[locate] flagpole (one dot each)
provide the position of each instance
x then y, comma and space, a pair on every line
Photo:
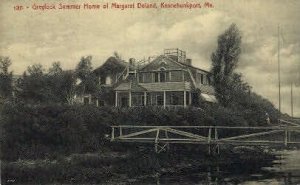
279, 95
292, 103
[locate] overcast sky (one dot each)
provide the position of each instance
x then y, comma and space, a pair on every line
30, 37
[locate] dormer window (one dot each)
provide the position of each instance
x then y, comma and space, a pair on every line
105, 80
201, 78
208, 80
162, 75
163, 62
156, 77
108, 80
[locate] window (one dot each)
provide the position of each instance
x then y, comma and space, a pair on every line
137, 99
201, 78
124, 102
102, 80
156, 77
162, 75
101, 103
147, 77
160, 100
86, 100
163, 62
174, 99
141, 77
108, 80
176, 76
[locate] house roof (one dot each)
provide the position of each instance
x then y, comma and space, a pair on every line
166, 86
193, 67
206, 89
173, 59
131, 85
111, 65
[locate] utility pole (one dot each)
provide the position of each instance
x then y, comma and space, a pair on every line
279, 96
292, 103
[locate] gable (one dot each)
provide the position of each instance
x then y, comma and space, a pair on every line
162, 62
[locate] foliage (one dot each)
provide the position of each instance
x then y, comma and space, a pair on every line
107, 94
4, 64
57, 86
55, 69
46, 131
33, 87
88, 80
224, 61
62, 86
5, 78
84, 67
232, 92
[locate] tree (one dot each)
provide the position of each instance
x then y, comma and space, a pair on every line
5, 78
84, 73
33, 88
36, 70
231, 91
55, 69
224, 61
84, 68
68, 83
61, 84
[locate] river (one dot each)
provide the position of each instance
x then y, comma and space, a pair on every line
285, 170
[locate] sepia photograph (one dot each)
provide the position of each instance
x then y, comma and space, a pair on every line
162, 92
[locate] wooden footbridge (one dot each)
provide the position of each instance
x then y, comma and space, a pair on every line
212, 136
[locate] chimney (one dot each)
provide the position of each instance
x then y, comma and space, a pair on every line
188, 61
131, 68
131, 62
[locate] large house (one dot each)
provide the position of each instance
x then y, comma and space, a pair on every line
168, 80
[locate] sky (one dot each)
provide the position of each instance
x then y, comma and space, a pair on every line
34, 36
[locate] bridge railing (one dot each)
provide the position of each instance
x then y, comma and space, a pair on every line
207, 134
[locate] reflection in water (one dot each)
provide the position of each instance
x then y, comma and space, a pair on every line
284, 171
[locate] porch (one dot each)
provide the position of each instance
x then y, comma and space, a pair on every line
160, 98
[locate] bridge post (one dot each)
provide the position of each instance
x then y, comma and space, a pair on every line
167, 136
208, 140
286, 137
156, 141
112, 134
216, 140
121, 133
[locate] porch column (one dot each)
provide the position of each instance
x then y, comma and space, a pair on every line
129, 99
165, 99
116, 103
190, 98
184, 98
145, 98
90, 99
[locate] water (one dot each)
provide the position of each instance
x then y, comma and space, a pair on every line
284, 171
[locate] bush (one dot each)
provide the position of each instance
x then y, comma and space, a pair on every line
51, 130
47, 131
